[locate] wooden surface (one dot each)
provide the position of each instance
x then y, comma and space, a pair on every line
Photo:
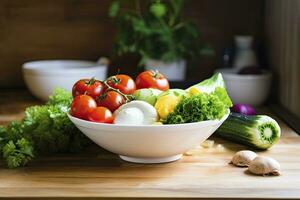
282, 38
82, 29
96, 173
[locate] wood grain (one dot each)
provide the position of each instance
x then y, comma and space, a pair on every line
81, 29
283, 30
96, 173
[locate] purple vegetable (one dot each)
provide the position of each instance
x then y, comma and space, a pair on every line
244, 109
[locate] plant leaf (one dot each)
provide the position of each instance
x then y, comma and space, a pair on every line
114, 9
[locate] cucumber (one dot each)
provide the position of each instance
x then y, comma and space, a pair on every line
257, 131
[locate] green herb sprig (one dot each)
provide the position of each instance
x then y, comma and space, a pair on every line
45, 129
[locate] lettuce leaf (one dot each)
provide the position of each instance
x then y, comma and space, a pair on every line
209, 85
203, 106
44, 129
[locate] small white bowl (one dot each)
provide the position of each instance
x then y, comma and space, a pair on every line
42, 77
247, 89
148, 143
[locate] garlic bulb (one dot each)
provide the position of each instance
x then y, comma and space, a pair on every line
264, 166
243, 158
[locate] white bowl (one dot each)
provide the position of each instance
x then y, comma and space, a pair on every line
247, 89
148, 143
42, 77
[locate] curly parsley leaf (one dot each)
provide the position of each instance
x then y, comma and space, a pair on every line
17, 153
200, 107
44, 129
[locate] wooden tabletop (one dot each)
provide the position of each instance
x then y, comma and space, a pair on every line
98, 174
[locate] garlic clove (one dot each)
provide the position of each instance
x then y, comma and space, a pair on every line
188, 153
243, 158
264, 166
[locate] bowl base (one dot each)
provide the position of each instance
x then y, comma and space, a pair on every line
151, 160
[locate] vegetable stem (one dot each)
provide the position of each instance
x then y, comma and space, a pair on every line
127, 97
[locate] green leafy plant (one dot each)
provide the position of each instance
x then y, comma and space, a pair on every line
203, 106
157, 33
45, 129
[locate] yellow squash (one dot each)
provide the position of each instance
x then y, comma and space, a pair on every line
166, 104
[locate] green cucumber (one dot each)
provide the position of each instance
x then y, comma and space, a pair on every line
257, 131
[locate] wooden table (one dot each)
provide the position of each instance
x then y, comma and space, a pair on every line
97, 173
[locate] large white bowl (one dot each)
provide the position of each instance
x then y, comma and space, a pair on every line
247, 89
42, 77
148, 143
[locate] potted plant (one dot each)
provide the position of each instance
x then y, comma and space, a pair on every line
159, 35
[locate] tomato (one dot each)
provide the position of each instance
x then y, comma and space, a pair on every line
152, 79
111, 100
91, 87
124, 83
82, 106
101, 114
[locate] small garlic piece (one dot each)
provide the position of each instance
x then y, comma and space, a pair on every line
208, 143
188, 153
243, 158
264, 166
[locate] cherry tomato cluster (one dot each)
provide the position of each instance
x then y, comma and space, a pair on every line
96, 100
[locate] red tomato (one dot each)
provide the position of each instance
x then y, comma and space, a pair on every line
111, 100
82, 106
101, 114
124, 83
152, 79
91, 87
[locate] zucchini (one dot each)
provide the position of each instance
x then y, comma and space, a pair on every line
257, 131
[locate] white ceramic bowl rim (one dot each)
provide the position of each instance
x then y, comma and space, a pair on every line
231, 73
55, 67
89, 124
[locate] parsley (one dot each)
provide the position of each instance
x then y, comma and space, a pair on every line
44, 129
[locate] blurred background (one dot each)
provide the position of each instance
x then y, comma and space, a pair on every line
89, 29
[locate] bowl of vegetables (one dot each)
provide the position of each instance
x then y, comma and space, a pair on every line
143, 120
148, 143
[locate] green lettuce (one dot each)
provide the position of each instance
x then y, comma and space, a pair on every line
209, 85
211, 103
44, 129
203, 106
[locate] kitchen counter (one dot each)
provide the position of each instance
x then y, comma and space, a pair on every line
95, 173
